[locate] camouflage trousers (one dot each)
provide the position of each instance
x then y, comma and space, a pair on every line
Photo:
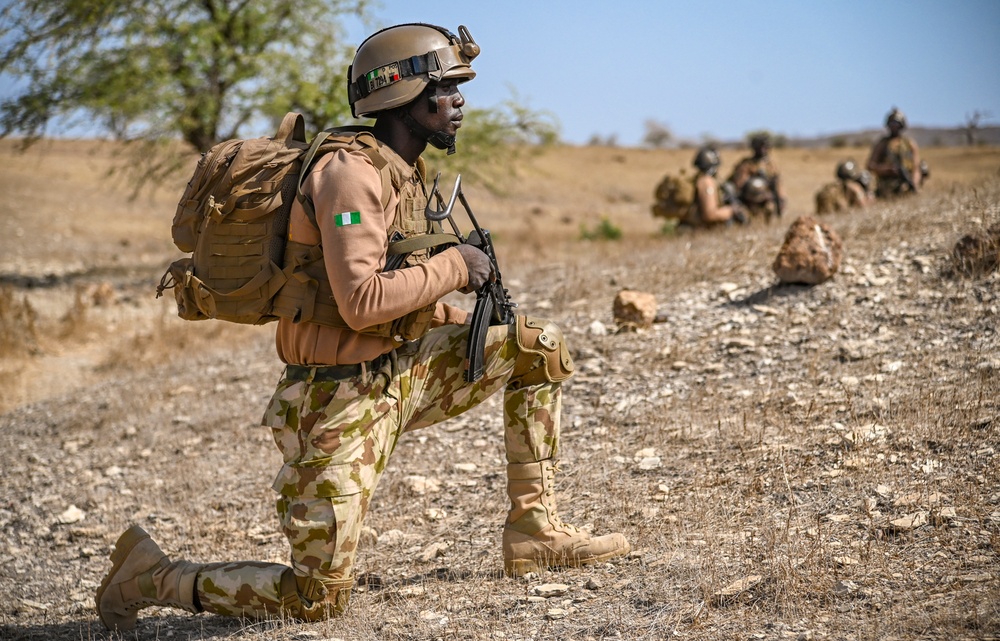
891, 187
336, 438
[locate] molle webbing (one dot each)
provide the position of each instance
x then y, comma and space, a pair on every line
307, 295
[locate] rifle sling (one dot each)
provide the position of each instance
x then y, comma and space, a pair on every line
425, 241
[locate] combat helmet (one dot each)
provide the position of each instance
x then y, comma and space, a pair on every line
847, 170
392, 67
756, 191
760, 141
896, 116
707, 160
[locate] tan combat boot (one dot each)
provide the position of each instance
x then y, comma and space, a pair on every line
141, 575
534, 538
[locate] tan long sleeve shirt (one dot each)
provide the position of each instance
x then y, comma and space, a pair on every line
354, 254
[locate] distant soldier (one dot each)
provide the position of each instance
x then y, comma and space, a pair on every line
848, 191
713, 204
764, 197
895, 160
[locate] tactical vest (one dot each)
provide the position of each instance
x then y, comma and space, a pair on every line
307, 296
898, 150
694, 215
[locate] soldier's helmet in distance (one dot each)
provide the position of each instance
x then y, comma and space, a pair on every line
847, 170
896, 116
707, 159
393, 66
756, 191
760, 141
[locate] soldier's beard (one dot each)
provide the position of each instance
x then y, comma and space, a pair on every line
437, 139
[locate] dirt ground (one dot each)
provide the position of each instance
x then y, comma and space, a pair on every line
789, 462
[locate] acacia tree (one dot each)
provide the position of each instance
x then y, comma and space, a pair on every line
153, 69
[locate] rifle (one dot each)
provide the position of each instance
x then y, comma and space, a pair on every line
729, 197
778, 205
904, 173
493, 304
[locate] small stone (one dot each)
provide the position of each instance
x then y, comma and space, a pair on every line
557, 613
597, 328
845, 587
421, 484
549, 590
909, 522
434, 514
433, 551
392, 538
465, 467
650, 463
737, 588
72, 514
634, 309
593, 583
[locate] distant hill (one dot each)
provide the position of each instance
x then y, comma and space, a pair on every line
925, 137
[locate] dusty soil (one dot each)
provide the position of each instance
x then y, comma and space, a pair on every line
789, 462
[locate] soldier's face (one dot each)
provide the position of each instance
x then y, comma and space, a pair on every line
446, 116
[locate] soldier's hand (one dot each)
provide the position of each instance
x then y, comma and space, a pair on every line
479, 265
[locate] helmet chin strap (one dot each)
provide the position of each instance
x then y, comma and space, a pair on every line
437, 139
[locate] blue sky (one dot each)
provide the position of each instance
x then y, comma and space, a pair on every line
724, 68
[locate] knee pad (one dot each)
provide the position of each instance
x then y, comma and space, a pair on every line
540, 338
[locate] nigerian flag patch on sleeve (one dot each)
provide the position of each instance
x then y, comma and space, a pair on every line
348, 218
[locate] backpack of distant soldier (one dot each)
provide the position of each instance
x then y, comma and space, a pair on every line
233, 220
673, 196
831, 198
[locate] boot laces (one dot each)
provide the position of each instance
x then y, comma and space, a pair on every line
550, 478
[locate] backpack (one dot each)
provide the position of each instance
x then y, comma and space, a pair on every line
673, 196
830, 198
233, 219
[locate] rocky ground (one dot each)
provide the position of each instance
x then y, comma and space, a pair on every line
789, 462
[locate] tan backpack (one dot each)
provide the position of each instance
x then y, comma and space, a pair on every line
673, 196
830, 198
233, 218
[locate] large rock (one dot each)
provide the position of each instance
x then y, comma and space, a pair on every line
634, 309
811, 253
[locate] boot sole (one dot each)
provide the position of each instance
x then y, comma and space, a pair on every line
123, 547
520, 567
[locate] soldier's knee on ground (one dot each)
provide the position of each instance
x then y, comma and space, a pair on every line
544, 356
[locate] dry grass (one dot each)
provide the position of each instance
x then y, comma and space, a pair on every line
796, 428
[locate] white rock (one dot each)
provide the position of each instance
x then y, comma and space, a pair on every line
650, 463
597, 328
549, 590
72, 514
421, 484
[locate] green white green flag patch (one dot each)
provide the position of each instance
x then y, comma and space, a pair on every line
348, 218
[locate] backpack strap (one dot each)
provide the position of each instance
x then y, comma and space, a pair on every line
369, 147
